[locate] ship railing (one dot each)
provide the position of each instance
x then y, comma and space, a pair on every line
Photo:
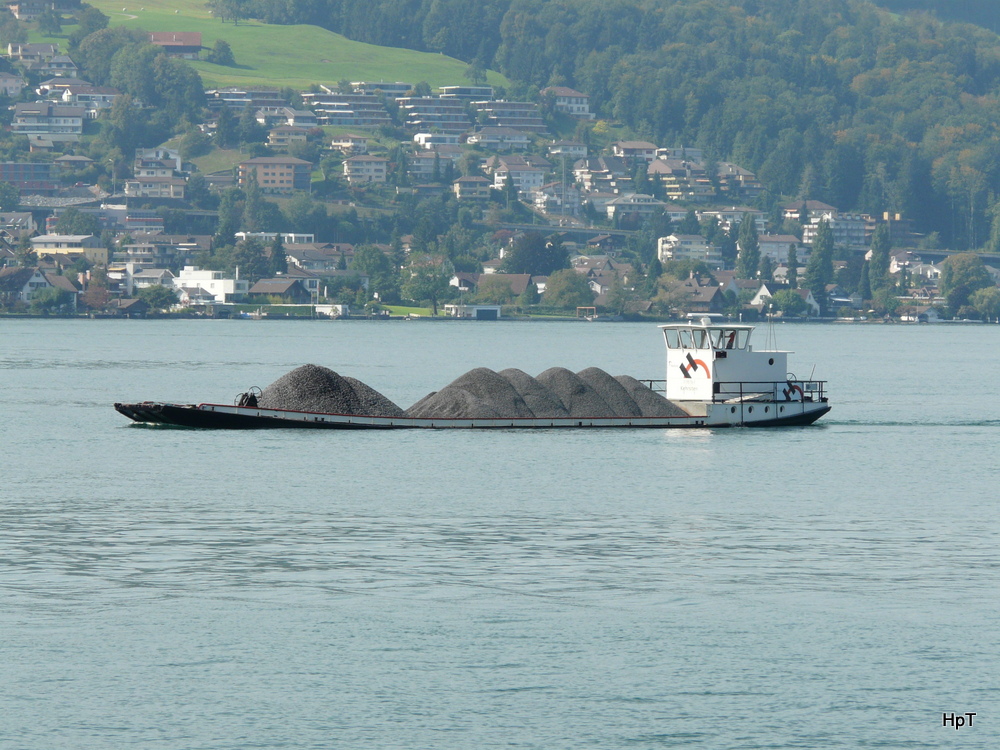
739, 391
782, 390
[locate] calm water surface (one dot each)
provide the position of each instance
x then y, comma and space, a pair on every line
827, 587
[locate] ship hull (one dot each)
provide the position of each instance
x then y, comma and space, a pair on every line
220, 416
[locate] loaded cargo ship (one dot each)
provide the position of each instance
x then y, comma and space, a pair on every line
714, 378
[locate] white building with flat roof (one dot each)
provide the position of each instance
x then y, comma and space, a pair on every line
213, 282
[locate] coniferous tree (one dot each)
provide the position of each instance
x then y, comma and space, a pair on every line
864, 285
793, 267
819, 269
766, 268
689, 224
253, 205
748, 257
225, 128
279, 261
248, 256
878, 268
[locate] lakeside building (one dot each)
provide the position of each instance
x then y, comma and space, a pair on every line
183, 44
215, 283
239, 98
30, 10
40, 178
388, 89
524, 116
473, 93
688, 247
276, 174
849, 230
427, 113
364, 169
71, 245
53, 121
352, 110
570, 102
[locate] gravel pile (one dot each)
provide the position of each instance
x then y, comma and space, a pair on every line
542, 402
319, 389
576, 395
650, 403
478, 394
373, 403
614, 393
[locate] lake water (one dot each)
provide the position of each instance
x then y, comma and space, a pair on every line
835, 586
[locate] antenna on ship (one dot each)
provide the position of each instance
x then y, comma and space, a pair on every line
771, 340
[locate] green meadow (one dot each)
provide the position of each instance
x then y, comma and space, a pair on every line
295, 56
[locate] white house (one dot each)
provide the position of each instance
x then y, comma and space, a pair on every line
213, 282
688, 247
776, 246
638, 204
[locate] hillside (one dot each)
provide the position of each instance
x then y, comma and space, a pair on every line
296, 56
840, 100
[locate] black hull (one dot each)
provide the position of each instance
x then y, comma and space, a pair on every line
235, 418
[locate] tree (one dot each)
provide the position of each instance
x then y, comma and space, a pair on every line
987, 302
221, 54
567, 289
865, 286
964, 270
428, 282
194, 143
528, 297
12, 31
618, 295
766, 267
49, 22
225, 128
878, 267
51, 300
748, 258
819, 269
253, 203
88, 20
74, 221
158, 297
248, 256
689, 224
230, 212
532, 253
383, 278
279, 261
229, 10
97, 51
250, 131
727, 246
10, 197
788, 302
793, 267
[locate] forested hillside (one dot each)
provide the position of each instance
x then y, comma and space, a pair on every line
838, 100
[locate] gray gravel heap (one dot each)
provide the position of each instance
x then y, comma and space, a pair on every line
543, 403
478, 394
373, 403
650, 403
577, 396
613, 392
319, 389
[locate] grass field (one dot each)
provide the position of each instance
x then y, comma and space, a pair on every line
295, 56
424, 312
